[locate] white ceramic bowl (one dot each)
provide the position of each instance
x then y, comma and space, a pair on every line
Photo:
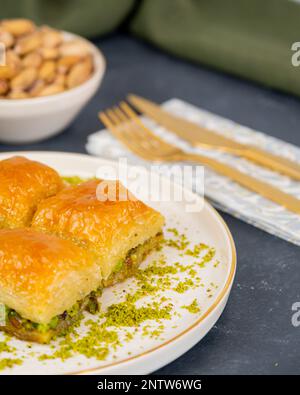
30, 120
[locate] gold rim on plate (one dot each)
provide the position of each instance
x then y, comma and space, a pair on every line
196, 323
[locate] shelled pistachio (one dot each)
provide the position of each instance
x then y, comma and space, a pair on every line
40, 61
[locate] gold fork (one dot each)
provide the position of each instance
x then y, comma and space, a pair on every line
127, 127
200, 136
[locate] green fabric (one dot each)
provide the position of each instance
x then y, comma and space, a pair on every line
249, 38
85, 17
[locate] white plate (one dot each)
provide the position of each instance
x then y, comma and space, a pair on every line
144, 354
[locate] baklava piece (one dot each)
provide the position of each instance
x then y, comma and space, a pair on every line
45, 283
23, 184
121, 231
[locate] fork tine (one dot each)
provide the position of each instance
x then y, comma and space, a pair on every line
135, 132
132, 115
111, 122
106, 119
130, 131
127, 127
148, 134
129, 111
121, 114
114, 115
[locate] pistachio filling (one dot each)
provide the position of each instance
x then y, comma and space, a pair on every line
73, 180
42, 333
127, 266
29, 330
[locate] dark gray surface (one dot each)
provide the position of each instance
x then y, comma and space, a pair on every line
255, 334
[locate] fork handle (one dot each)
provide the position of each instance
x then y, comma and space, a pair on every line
260, 187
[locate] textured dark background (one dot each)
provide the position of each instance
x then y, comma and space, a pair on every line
255, 334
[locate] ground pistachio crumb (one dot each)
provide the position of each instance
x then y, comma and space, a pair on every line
4, 347
95, 344
153, 333
73, 180
196, 251
127, 314
102, 334
207, 257
180, 243
183, 286
6, 363
174, 231
216, 264
193, 307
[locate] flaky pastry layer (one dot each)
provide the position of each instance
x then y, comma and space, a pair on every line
110, 228
41, 275
23, 184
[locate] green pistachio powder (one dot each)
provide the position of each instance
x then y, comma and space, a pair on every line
108, 330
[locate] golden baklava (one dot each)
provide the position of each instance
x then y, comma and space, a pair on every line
120, 231
60, 245
45, 283
23, 184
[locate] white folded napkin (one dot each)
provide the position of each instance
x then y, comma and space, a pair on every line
222, 192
